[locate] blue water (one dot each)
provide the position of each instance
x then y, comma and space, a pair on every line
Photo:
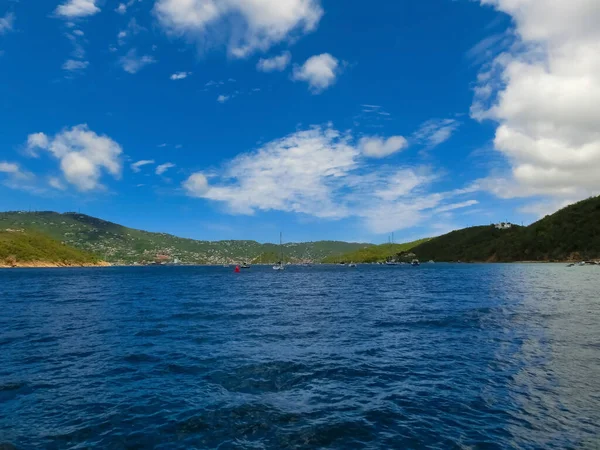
435, 357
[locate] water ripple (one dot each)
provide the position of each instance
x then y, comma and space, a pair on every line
439, 357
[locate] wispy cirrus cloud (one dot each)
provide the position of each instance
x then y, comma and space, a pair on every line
137, 166
133, 28
323, 173
162, 168
13, 176
7, 23
73, 65
435, 132
132, 63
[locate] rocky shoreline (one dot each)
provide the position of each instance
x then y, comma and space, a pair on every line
49, 265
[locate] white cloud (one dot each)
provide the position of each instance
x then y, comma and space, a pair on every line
84, 155
435, 132
73, 9
78, 33
376, 147
136, 166
73, 65
7, 23
223, 98
245, 26
320, 72
56, 183
161, 169
196, 185
544, 93
15, 177
6, 167
133, 29
291, 174
322, 173
121, 9
544, 208
277, 63
34, 141
180, 75
132, 63
454, 206
121, 37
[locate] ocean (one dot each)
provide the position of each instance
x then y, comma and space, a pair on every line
442, 356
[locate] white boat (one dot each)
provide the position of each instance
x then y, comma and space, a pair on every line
281, 265
351, 265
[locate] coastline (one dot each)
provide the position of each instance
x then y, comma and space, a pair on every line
50, 265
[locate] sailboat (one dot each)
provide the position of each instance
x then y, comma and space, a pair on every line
281, 265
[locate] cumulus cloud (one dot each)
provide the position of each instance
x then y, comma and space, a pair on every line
136, 166
180, 75
223, 98
435, 132
36, 141
196, 185
74, 9
320, 72
245, 26
544, 93
376, 147
84, 156
275, 64
132, 63
73, 65
7, 23
322, 173
161, 169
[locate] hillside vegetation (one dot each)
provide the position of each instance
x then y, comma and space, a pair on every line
19, 248
374, 253
119, 244
572, 233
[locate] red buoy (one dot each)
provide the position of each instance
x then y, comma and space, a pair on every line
237, 269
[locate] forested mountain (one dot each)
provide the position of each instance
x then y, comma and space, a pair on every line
116, 243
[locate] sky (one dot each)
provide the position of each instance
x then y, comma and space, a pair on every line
323, 119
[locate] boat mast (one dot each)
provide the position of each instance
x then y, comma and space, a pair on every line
281, 246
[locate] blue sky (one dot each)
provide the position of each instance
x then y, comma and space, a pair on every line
219, 119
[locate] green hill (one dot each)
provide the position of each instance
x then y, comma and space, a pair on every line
19, 247
572, 233
119, 244
374, 253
